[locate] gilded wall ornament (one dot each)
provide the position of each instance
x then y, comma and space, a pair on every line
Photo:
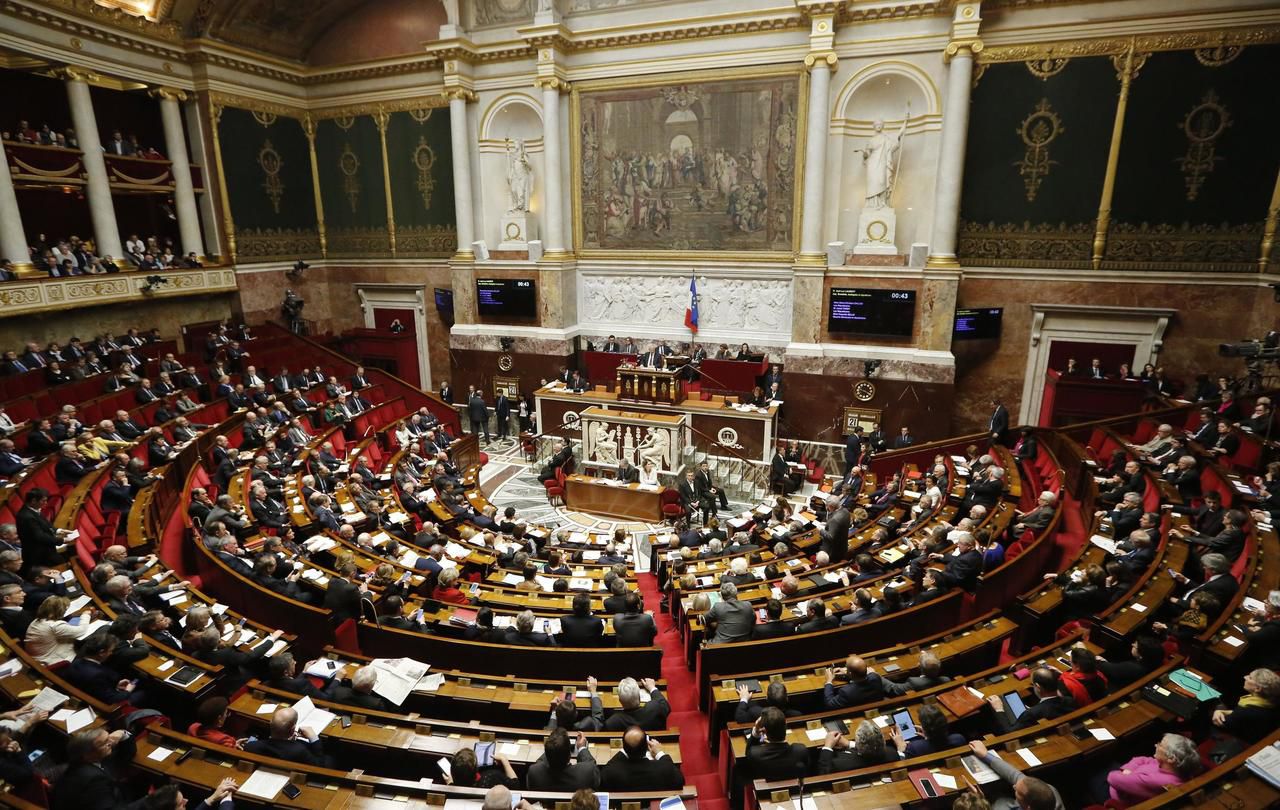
1046, 66
1038, 130
270, 162
420, 116
349, 165
1218, 55
345, 122
1203, 126
423, 159
264, 118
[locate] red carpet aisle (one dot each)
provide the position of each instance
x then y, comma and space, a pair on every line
696, 761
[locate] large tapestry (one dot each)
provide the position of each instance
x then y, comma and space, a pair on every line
691, 166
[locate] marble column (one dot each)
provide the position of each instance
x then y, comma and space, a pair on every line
812, 213
13, 239
184, 195
459, 143
955, 129
101, 207
552, 197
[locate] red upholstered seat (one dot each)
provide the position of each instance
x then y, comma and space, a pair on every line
671, 506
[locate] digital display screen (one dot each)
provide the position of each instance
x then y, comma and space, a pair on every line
978, 324
875, 313
444, 300
504, 297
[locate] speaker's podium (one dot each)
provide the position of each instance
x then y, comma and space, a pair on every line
657, 385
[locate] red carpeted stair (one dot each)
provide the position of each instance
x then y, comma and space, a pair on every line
682, 691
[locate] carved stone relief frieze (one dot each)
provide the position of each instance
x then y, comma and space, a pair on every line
726, 305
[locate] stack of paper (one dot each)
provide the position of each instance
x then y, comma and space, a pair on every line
263, 784
1105, 543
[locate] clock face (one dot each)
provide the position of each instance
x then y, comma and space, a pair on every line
864, 391
505, 362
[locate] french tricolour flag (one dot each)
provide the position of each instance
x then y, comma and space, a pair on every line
691, 314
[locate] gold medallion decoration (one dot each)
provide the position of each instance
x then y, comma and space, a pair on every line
349, 164
506, 362
271, 163
1038, 130
264, 118
1218, 55
1046, 66
423, 159
345, 122
1203, 126
420, 116
864, 391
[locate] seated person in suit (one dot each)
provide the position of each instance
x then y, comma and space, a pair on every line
641, 765
288, 742
90, 673
561, 454
282, 673
627, 472
780, 477
867, 749
769, 755
360, 691
929, 677
862, 686
817, 618
1053, 700
581, 629
523, 634
633, 628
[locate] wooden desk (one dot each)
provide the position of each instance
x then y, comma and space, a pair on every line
587, 494
649, 385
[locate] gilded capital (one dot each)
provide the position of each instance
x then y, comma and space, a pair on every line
459, 94
551, 83
71, 73
828, 58
309, 127
167, 93
968, 47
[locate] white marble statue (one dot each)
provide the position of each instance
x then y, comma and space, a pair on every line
451, 12
655, 448
606, 445
519, 176
881, 158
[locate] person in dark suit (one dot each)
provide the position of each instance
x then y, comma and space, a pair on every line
904, 438
502, 413
343, 596
689, 495
835, 535
634, 628
712, 497
1229, 542
929, 677
769, 755
962, 569
1184, 475
817, 618
478, 414
628, 472
95, 761
634, 711
1054, 701
290, 743
780, 477
555, 771
861, 687
853, 448
998, 425
13, 616
1217, 581
562, 454
40, 540
581, 629
641, 766
522, 633
117, 495
71, 466
282, 673
360, 691
89, 672
40, 440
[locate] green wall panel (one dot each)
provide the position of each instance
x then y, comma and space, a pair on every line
421, 169
349, 159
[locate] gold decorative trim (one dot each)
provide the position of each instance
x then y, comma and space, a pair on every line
1009, 244
1218, 55
375, 108
267, 244
349, 166
381, 120
228, 225
51, 173
266, 119
1269, 228
459, 94
271, 163
1038, 130
1126, 69
345, 122
256, 106
168, 94
427, 240
1113, 46
1203, 125
1164, 246
421, 116
309, 128
974, 47
358, 242
166, 175
1047, 66
423, 159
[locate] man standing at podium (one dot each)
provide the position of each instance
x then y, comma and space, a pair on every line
651, 358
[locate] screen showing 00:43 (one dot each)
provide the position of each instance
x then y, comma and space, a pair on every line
878, 313
506, 297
